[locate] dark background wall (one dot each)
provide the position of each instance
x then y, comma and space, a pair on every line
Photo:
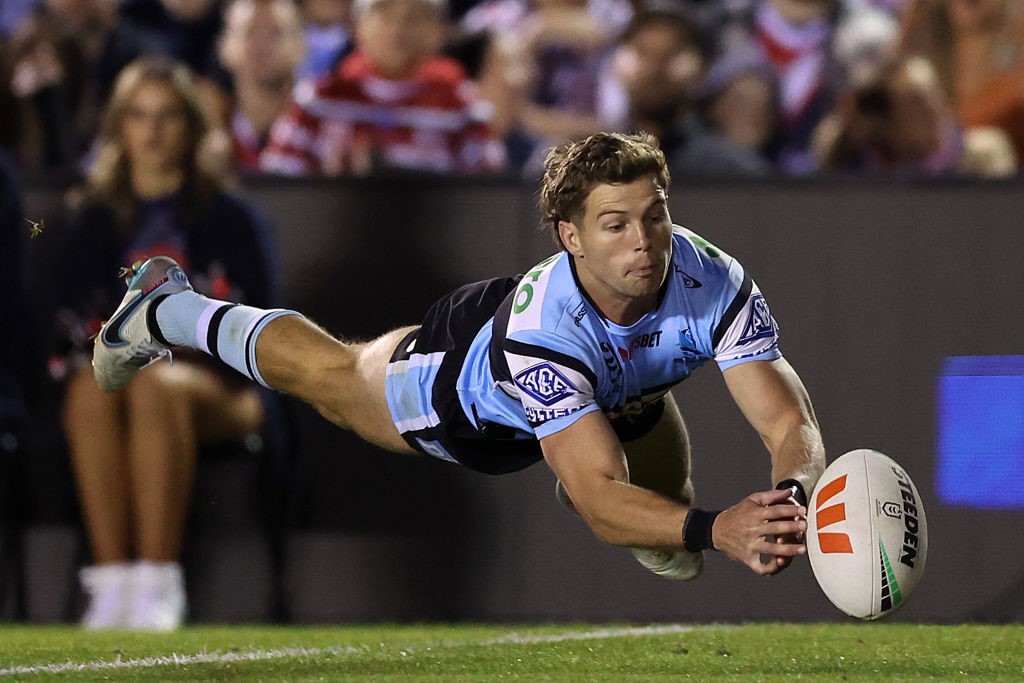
873, 285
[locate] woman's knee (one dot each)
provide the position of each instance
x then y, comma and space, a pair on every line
84, 402
161, 386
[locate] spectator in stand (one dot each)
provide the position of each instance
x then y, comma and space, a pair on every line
977, 46
64, 58
542, 69
186, 30
793, 36
261, 47
740, 102
901, 123
660, 65
327, 34
394, 103
134, 451
866, 39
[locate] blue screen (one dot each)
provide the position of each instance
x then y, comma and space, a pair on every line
981, 432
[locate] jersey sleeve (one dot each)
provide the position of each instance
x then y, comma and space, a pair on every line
555, 387
746, 330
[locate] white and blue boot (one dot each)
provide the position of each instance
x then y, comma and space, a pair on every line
128, 341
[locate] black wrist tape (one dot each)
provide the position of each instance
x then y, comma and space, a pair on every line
796, 487
697, 530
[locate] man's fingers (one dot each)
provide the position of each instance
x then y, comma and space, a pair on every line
773, 497
785, 528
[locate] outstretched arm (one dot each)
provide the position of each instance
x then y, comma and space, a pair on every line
774, 401
589, 460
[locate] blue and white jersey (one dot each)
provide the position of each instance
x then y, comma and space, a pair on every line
548, 356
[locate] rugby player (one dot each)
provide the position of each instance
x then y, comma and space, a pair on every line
571, 363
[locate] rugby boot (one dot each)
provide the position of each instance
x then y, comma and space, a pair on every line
127, 342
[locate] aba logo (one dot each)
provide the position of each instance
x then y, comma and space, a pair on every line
760, 324
545, 383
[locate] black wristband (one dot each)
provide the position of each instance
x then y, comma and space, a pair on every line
796, 487
697, 530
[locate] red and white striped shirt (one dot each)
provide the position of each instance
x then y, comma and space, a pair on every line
356, 121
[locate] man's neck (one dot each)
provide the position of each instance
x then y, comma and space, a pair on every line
262, 103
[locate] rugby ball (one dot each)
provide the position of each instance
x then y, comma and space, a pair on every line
867, 538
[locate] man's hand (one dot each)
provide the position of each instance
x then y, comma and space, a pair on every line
765, 523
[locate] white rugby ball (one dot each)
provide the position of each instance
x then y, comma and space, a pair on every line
867, 537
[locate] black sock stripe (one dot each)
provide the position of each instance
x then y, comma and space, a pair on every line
154, 328
250, 348
214, 329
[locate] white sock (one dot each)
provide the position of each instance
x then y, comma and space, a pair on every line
226, 331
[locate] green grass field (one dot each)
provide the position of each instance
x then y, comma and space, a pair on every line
754, 652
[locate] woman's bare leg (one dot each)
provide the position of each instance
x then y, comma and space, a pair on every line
172, 409
94, 426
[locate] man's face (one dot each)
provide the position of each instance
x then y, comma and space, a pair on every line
658, 66
263, 40
745, 111
397, 34
623, 248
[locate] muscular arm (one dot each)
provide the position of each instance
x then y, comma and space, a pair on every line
589, 460
774, 401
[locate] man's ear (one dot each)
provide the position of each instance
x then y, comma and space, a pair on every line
570, 236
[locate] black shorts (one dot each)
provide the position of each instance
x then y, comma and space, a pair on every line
432, 420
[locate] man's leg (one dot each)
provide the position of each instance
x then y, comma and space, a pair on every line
345, 382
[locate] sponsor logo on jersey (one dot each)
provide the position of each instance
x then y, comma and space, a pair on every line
687, 348
538, 415
647, 340
709, 249
689, 282
611, 361
545, 383
524, 294
579, 313
760, 324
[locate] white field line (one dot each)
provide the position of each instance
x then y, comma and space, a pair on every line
175, 659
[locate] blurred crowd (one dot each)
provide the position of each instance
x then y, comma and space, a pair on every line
354, 87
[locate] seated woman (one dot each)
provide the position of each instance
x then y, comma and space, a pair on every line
134, 451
